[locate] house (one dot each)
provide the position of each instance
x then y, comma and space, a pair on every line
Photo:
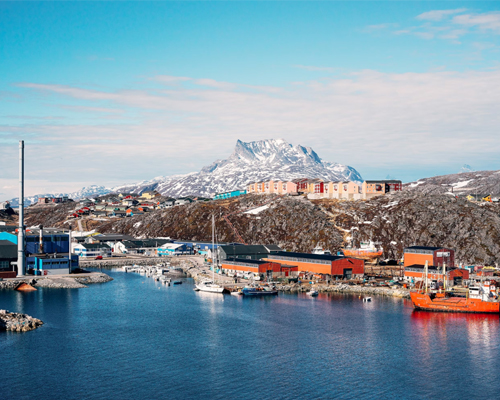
302, 185
228, 195
183, 200
148, 247
4, 205
167, 203
335, 266
150, 194
373, 188
129, 202
92, 250
174, 249
44, 200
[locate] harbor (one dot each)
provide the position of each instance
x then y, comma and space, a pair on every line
156, 328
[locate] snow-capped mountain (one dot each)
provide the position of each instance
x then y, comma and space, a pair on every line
465, 183
249, 162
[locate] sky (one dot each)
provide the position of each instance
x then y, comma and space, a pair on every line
109, 93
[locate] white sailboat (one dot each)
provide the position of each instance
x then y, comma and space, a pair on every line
207, 285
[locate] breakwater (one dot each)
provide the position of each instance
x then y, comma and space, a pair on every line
59, 282
17, 322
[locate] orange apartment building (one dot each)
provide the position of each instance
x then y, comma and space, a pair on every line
376, 188
318, 189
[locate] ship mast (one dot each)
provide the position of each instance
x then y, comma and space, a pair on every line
426, 271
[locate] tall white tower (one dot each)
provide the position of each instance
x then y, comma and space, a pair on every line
21, 256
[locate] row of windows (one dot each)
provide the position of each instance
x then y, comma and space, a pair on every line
5, 265
431, 252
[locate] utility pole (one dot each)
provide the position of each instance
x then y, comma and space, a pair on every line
21, 256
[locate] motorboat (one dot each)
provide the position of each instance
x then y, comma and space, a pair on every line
259, 291
312, 293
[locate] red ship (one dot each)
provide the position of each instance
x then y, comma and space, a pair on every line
476, 299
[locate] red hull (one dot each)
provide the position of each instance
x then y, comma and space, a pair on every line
363, 254
424, 301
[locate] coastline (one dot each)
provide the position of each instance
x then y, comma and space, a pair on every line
341, 287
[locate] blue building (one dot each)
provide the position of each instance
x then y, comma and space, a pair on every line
51, 264
53, 242
228, 195
54, 257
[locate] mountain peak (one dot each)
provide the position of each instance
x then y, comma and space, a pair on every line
249, 162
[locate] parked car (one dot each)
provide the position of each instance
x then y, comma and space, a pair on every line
98, 258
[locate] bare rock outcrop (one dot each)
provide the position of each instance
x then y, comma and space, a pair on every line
17, 322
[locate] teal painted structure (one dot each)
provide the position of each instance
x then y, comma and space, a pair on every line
37, 264
228, 195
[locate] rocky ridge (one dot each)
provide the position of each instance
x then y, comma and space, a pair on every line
462, 184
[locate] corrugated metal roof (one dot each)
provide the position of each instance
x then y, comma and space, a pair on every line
307, 255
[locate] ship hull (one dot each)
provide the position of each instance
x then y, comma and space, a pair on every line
363, 254
423, 301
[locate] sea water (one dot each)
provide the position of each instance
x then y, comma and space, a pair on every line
134, 338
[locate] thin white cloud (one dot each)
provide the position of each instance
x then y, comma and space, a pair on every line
486, 21
438, 15
168, 79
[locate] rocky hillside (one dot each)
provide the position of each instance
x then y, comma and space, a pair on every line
405, 219
465, 183
397, 220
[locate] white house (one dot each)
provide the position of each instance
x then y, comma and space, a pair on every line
92, 250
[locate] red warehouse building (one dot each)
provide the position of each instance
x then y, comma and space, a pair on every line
336, 266
435, 256
257, 267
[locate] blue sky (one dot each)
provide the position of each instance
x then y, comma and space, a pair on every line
116, 92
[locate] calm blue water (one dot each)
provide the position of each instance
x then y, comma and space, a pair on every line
127, 339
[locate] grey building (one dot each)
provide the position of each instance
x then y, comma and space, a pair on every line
249, 252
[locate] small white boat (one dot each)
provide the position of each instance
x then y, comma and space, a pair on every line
367, 299
312, 293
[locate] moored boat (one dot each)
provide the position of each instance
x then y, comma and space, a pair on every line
477, 299
259, 291
312, 293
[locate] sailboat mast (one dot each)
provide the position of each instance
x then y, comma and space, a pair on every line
213, 248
